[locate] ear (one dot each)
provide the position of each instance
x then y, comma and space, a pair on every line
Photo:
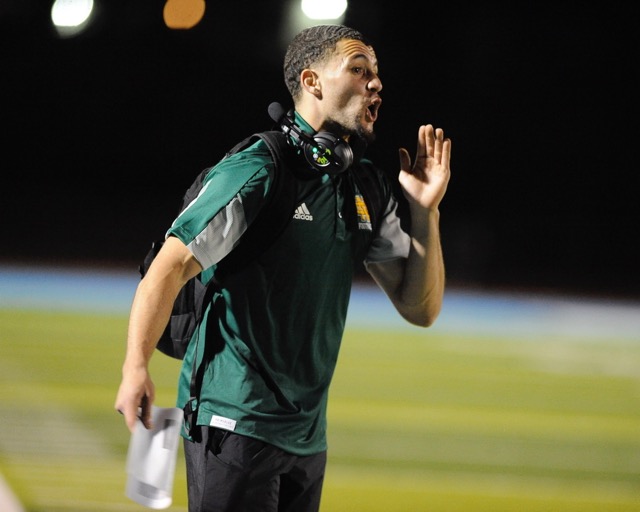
310, 82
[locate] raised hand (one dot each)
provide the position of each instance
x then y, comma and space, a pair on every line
425, 183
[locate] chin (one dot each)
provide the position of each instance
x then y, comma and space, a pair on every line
366, 134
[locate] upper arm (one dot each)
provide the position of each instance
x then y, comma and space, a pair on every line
388, 276
232, 195
155, 295
174, 263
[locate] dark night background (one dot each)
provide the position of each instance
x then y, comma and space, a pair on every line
103, 132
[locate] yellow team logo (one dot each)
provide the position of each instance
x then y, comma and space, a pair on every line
364, 220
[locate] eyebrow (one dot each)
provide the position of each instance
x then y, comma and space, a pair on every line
373, 62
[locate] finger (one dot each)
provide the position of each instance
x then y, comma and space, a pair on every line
145, 412
421, 149
437, 153
429, 140
446, 152
130, 417
405, 160
121, 408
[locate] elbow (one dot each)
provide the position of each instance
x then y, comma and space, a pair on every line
424, 316
426, 321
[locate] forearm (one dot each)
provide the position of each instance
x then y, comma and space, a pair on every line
422, 288
149, 316
150, 313
415, 285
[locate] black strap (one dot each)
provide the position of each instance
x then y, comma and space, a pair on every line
275, 213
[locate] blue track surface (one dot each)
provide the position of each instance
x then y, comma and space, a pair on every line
520, 315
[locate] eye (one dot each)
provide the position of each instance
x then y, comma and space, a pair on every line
357, 70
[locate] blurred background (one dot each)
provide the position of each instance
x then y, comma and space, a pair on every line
524, 396
104, 125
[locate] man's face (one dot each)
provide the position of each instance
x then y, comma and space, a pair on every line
350, 88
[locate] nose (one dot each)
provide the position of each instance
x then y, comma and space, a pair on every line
375, 84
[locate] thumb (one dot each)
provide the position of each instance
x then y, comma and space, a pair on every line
405, 160
145, 412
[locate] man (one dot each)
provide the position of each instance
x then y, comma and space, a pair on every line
258, 439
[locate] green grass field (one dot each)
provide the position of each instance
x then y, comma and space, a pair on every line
417, 421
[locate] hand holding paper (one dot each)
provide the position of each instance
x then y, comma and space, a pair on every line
151, 460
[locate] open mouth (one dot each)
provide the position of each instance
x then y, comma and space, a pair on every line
373, 110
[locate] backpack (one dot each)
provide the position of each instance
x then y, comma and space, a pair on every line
193, 298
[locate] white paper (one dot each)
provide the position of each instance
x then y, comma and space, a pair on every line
151, 460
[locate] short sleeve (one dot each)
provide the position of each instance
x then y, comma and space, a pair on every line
392, 241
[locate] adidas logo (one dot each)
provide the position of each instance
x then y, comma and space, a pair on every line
302, 213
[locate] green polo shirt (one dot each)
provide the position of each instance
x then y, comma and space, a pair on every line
273, 337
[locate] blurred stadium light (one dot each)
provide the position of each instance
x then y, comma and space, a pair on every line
183, 14
70, 17
301, 14
324, 9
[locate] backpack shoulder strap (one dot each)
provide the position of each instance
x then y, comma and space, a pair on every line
275, 214
275, 141
194, 188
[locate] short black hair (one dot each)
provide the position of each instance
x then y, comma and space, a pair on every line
310, 46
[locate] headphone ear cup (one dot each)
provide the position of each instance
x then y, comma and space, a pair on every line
329, 154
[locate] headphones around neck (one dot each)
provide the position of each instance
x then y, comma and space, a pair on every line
323, 151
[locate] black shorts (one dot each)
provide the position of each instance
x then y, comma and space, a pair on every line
227, 472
